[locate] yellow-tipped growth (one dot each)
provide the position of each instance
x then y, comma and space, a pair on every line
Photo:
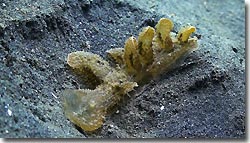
185, 32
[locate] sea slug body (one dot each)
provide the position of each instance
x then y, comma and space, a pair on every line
156, 51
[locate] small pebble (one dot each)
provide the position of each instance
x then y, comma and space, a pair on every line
162, 107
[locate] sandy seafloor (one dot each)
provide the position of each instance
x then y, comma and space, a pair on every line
204, 97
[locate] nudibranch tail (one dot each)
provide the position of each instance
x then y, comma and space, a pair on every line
168, 61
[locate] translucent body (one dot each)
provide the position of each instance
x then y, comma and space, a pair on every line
155, 52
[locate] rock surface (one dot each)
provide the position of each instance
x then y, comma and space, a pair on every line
202, 98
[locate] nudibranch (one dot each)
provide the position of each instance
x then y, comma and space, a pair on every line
156, 51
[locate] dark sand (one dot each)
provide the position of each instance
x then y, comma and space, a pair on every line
204, 97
